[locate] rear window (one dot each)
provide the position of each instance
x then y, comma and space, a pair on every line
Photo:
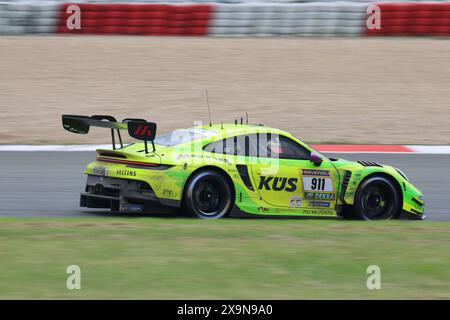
181, 136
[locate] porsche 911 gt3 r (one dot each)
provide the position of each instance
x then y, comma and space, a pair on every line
237, 169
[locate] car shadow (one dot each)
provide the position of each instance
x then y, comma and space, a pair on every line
169, 213
175, 213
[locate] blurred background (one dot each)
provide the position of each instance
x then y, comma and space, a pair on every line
327, 71
312, 68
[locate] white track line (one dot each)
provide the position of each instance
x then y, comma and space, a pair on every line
431, 149
416, 149
65, 148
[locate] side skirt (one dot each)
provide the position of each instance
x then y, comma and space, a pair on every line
236, 212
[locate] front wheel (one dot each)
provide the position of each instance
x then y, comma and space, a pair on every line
377, 198
208, 195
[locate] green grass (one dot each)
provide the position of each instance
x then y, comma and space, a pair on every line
156, 258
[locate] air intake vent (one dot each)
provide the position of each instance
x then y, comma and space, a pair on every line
370, 164
243, 172
112, 155
345, 182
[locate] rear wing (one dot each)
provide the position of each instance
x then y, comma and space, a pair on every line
139, 129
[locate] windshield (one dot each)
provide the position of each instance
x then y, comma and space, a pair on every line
314, 150
180, 136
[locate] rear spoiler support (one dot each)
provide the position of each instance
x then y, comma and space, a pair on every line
113, 137
137, 128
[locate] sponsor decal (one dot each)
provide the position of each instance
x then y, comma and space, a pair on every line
262, 209
295, 201
355, 179
310, 172
316, 212
278, 184
319, 204
142, 130
127, 173
287, 210
317, 184
169, 193
316, 181
307, 212
100, 171
201, 157
319, 196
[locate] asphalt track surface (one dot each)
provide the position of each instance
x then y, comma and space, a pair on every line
47, 184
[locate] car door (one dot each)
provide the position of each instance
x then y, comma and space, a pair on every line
286, 178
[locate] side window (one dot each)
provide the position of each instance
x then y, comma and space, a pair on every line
260, 145
276, 146
243, 145
215, 147
292, 150
226, 146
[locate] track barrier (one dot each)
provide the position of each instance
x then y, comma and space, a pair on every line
246, 18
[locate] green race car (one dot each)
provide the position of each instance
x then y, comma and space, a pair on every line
238, 169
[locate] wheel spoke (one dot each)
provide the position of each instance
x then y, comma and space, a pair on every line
207, 197
377, 202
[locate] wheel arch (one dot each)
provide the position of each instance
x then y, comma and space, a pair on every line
213, 168
388, 177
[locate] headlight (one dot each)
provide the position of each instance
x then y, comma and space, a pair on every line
402, 174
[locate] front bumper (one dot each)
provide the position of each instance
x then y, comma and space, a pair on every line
405, 215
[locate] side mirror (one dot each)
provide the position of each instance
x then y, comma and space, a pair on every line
316, 159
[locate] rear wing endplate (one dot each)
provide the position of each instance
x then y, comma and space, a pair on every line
139, 129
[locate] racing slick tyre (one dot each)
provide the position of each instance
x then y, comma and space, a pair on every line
208, 195
377, 198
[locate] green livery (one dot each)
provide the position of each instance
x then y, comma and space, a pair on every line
239, 169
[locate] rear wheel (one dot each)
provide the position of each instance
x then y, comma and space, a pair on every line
208, 195
377, 198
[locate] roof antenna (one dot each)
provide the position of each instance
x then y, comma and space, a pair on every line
246, 117
209, 111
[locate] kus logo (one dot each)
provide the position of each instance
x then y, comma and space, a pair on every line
278, 184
